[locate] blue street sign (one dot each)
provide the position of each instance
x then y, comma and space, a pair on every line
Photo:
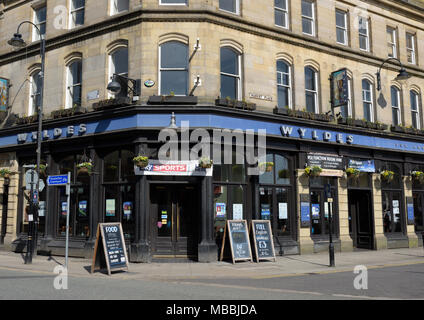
57, 180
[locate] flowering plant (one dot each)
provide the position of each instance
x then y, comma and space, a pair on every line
418, 176
352, 172
205, 162
387, 175
313, 171
141, 161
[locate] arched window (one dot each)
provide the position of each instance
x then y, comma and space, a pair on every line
395, 97
74, 84
118, 64
367, 100
35, 93
284, 84
415, 109
173, 68
311, 89
230, 73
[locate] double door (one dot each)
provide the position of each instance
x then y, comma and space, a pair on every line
175, 220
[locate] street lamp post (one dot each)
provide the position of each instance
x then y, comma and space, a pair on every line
401, 77
18, 42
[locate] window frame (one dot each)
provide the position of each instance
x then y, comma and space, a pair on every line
345, 29
72, 11
392, 44
237, 5
415, 113
35, 35
112, 69
32, 107
114, 6
285, 13
238, 77
398, 107
311, 19
69, 102
371, 101
412, 50
289, 86
366, 35
316, 92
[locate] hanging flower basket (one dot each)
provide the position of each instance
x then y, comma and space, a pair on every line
266, 166
387, 175
85, 167
283, 174
418, 176
205, 162
5, 173
313, 171
43, 168
353, 173
141, 161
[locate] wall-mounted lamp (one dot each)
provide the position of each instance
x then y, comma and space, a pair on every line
401, 77
115, 86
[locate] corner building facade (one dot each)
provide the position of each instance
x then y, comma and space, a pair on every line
216, 64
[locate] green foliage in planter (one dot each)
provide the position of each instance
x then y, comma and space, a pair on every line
5, 172
141, 161
266, 166
418, 176
352, 172
313, 171
85, 165
387, 175
205, 162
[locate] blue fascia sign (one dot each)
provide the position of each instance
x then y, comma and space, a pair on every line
362, 165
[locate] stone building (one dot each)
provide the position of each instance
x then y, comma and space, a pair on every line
218, 64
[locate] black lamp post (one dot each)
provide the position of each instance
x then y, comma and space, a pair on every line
401, 77
18, 42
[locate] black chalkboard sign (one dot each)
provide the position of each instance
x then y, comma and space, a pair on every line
239, 240
262, 239
109, 250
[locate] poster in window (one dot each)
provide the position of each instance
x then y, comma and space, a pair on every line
237, 211
110, 207
315, 210
42, 209
127, 208
282, 210
64, 208
82, 208
4, 94
220, 210
265, 211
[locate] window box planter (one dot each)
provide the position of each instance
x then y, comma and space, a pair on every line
112, 103
28, 120
205, 163
365, 124
64, 113
381, 126
230, 103
346, 121
284, 111
180, 100
323, 117
397, 129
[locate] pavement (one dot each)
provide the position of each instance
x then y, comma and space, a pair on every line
284, 266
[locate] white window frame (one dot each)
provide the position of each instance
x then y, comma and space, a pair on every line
285, 13
171, 69
114, 7
415, 113
392, 44
314, 92
173, 4
349, 94
69, 87
412, 50
289, 86
366, 35
35, 35
399, 114
368, 102
311, 19
344, 29
71, 14
238, 77
112, 66
32, 94
237, 8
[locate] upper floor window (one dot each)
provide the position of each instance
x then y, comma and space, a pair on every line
415, 110
367, 100
281, 13
230, 73
173, 68
311, 89
118, 6
230, 6
40, 15
341, 27
74, 79
391, 42
284, 84
395, 95
77, 13
118, 64
308, 17
364, 42
410, 48
35, 94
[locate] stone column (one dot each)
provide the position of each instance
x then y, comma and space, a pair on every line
410, 229
346, 243
305, 242
380, 240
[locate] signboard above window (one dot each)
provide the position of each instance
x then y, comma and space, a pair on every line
4, 94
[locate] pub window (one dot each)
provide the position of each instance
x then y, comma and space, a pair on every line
418, 201
230, 73
24, 196
35, 93
118, 64
74, 85
410, 48
79, 217
77, 13
308, 17
281, 13
311, 89
118, 6
232, 6
275, 195
415, 109
392, 42
392, 200
341, 27
40, 15
173, 68
119, 190
367, 100
396, 114
320, 210
364, 34
284, 84
346, 110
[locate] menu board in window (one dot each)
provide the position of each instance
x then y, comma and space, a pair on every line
237, 235
110, 251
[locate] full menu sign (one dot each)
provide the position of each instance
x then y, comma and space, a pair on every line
109, 250
263, 242
238, 236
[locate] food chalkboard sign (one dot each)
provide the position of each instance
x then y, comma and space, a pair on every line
109, 250
237, 233
262, 239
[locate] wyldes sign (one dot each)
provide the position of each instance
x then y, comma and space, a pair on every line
55, 133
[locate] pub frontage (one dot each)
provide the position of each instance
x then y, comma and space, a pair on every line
175, 210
